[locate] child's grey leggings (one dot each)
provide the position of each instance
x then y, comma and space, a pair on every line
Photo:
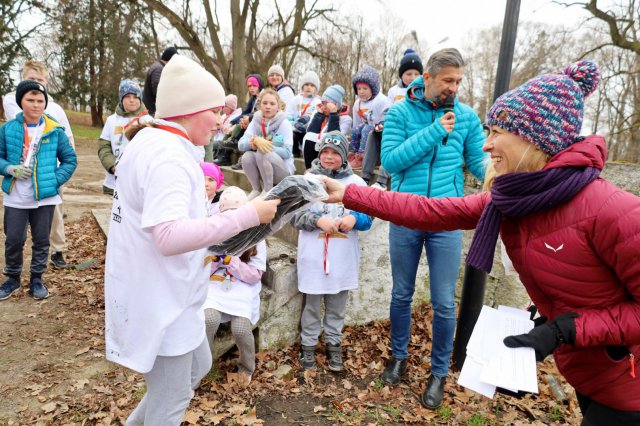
242, 334
170, 386
269, 167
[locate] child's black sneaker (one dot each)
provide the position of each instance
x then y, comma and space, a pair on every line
308, 357
334, 357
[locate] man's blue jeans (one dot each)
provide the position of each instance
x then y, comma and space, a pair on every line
443, 254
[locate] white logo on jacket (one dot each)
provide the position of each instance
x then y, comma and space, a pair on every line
560, 247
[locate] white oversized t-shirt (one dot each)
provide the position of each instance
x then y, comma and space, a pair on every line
342, 252
113, 131
153, 303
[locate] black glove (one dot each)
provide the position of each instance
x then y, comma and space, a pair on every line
547, 337
533, 309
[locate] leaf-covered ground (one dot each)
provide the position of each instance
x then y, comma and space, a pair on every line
54, 371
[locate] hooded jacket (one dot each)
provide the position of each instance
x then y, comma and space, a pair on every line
54, 145
413, 149
579, 257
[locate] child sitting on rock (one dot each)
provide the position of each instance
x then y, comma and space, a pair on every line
234, 292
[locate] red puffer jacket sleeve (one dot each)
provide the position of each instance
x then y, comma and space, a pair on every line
415, 211
616, 240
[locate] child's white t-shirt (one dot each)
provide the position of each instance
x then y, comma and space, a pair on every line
238, 298
342, 252
397, 93
113, 131
153, 303
371, 112
301, 105
22, 196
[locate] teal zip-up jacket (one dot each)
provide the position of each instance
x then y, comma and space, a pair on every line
54, 146
413, 151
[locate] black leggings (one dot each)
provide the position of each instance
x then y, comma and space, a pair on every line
596, 414
309, 153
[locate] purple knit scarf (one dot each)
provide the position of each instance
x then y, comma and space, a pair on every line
520, 194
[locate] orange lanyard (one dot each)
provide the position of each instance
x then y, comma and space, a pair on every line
360, 113
304, 110
264, 131
173, 130
136, 118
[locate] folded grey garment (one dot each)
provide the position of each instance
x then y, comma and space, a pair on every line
295, 193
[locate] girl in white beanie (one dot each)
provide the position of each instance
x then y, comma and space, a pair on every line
300, 110
268, 142
155, 281
278, 82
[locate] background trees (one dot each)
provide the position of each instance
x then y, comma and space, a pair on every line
91, 44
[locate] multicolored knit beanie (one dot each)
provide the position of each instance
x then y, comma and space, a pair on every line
547, 110
129, 86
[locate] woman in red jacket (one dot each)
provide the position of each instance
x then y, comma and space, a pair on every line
573, 237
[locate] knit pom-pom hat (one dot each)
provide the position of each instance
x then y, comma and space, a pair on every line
232, 198
369, 76
547, 110
410, 61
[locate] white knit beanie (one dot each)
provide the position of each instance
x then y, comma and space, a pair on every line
232, 198
310, 77
186, 88
276, 69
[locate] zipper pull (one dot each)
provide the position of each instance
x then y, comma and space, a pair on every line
632, 362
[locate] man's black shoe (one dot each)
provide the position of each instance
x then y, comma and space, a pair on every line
58, 261
434, 393
394, 371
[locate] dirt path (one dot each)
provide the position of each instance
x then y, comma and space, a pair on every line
42, 341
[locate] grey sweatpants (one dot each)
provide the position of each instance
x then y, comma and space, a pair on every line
170, 386
335, 306
270, 167
242, 334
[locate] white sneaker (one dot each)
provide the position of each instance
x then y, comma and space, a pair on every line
253, 194
379, 186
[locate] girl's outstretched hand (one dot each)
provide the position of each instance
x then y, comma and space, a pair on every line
334, 188
266, 209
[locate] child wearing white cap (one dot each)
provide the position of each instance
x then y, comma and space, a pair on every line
155, 281
278, 82
302, 107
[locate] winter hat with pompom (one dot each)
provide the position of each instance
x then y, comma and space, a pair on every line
547, 110
232, 198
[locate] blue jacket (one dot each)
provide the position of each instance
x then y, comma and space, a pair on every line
413, 151
54, 145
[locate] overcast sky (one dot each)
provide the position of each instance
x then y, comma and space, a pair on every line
453, 19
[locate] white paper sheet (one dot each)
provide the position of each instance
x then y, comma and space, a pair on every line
489, 363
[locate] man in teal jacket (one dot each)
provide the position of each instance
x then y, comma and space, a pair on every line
427, 139
35, 160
